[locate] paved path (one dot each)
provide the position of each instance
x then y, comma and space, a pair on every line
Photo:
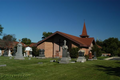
112, 58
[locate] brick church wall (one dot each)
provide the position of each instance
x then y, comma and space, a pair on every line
48, 49
85, 49
41, 46
56, 45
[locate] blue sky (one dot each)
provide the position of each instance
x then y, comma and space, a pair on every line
30, 18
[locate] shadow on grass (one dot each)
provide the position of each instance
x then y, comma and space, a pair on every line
118, 62
109, 70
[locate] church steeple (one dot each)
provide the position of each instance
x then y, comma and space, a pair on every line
84, 32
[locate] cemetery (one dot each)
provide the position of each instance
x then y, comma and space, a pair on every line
35, 68
55, 60
59, 40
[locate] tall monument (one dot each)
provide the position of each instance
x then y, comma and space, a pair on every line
19, 54
65, 58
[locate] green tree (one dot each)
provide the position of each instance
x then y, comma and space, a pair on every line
35, 51
26, 41
118, 51
99, 42
9, 37
8, 40
97, 50
74, 52
111, 45
1, 30
46, 34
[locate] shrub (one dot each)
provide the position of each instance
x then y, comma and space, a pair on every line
35, 51
74, 52
97, 50
23, 50
86, 56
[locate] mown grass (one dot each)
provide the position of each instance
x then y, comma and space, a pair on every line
46, 70
102, 57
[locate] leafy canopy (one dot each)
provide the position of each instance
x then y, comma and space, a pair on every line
1, 30
110, 45
26, 41
9, 37
97, 50
46, 34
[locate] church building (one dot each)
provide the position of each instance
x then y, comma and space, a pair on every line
53, 43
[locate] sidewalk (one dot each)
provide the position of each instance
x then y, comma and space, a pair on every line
112, 58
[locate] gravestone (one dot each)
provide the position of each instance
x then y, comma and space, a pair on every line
90, 56
5, 53
30, 53
19, 54
95, 58
64, 58
0, 52
81, 57
69, 55
24, 55
40, 62
41, 53
10, 57
2, 65
29, 58
9, 53
52, 60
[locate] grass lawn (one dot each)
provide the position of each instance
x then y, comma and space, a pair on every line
46, 70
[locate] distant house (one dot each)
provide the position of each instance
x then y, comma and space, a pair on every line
6, 45
28, 49
53, 43
106, 54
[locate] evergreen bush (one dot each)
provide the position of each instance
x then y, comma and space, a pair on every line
35, 51
74, 52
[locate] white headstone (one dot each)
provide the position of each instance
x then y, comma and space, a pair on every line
0, 52
9, 53
24, 55
27, 54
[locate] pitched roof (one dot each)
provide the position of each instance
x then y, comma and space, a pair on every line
83, 42
99, 46
15, 43
84, 32
32, 44
9, 44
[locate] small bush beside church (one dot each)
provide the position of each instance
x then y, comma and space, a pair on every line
35, 51
74, 52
